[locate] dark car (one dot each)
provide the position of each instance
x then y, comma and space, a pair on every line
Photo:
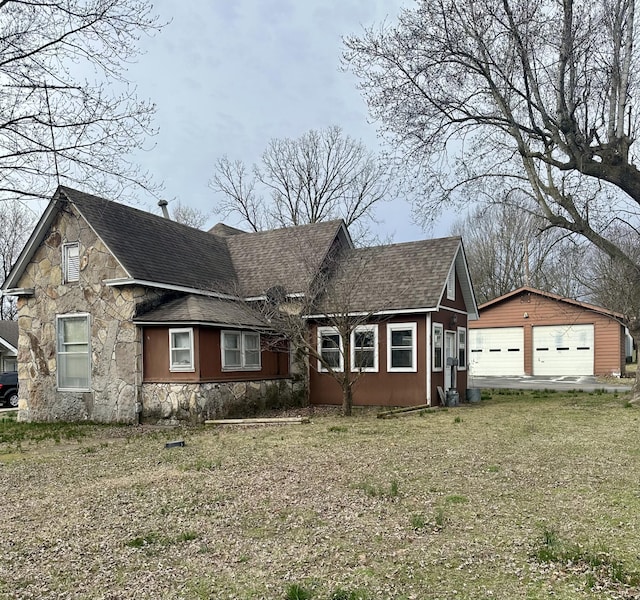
9, 389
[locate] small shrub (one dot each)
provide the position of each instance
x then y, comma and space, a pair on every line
418, 522
341, 594
458, 420
143, 541
297, 592
456, 499
188, 536
338, 429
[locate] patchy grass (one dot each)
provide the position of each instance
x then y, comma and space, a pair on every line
525, 496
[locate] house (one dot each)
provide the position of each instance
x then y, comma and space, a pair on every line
8, 345
532, 332
416, 299
124, 315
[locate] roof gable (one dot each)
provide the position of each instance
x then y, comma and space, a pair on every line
289, 257
396, 277
155, 249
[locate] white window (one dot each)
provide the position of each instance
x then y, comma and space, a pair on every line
73, 352
402, 347
71, 262
462, 348
240, 350
451, 284
436, 345
330, 349
364, 348
181, 349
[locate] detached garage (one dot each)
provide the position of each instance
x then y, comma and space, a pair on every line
531, 332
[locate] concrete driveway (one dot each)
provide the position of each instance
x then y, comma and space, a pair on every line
532, 382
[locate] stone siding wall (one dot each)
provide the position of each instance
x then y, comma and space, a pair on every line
116, 356
171, 403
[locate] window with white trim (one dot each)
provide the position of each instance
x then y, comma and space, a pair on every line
364, 348
437, 346
71, 262
240, 351
181, 349
73, 352
330, 349
451, 284
462, 348
402, 347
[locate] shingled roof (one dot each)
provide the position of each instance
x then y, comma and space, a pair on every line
407, 276
289, 257
155, 249
202, 309
9, 333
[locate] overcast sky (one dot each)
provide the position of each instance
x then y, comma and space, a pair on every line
228, 76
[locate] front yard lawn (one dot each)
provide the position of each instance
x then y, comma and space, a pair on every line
525, 495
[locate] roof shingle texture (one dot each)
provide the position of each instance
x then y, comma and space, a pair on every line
288, 257
226, 260
411, 275
153, 248
202, 309
9, 332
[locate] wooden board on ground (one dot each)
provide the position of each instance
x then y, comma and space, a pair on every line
441, 395
398, 411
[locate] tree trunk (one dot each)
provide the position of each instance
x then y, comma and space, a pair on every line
635, 389
347, 398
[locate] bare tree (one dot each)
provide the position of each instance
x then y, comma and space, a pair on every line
319, 176
188, 215
329, 323
68, 113
535, 96
16, 223
507, 249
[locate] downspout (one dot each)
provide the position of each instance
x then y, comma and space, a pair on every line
138, 377
428, 360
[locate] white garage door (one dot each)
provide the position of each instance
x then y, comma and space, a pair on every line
563, 350
496, 351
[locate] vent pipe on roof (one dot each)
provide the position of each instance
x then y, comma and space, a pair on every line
165, 211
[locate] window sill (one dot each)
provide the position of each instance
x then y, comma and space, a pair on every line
241, 369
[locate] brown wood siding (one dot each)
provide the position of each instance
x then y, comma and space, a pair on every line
458, 303
207, 359
381, 388
540, 311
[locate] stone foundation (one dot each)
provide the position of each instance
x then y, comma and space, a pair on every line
173, 403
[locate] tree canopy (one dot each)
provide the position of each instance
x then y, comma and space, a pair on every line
532, 103
321, 175
68, 113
